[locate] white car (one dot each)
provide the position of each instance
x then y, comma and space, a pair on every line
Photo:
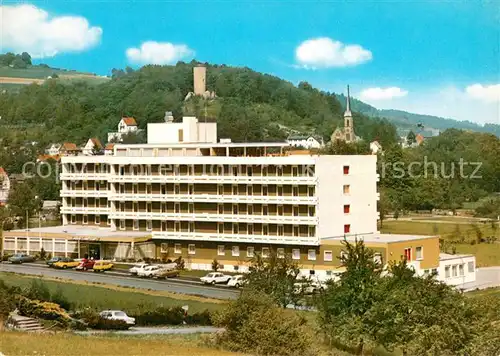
214, 278
308, 287
148, 271
139, 267
117, 315
236, 281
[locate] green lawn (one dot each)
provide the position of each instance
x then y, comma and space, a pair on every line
111, 297
33, 72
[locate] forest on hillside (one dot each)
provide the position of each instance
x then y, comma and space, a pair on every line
250, 106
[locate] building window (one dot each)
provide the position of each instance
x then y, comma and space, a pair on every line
149, 189
377, 258
236, 228
295, 191
250, 209
122, 224
461, 270
149, 225
280, 210
264, 209
85, 219
109, 222
235, 251
347, 228
164, 247
190, 208
249, 190
97, 219
311, 255
454, 272
311, 231
220, 189
296, 231
295, 210
265, 252
328, 256
347, 189
280, 252
265, 230
310, 191
280, 190
136, 224
296, 254
191, 226
221, 250
136, 207
407, 254
191, 249
346, 170
447, 271
235, 209
220, 228
235, 190
177, 248
347, 209
470, 267
311, 210
250, 229
250, 251
419, 253
280, 230
220, 209
177, 226
264, 190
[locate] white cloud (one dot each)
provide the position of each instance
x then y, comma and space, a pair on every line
488, 93
31, 29
324, 52
152, 52
383, 93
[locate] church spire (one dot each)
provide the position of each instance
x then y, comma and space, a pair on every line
348, 105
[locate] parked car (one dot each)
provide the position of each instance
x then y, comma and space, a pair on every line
53, 260
101, 266
117, 315
148, 271
166, 273
21, 258
215, 278
308, 287
138, 267
66, 262
237, 281
85, 264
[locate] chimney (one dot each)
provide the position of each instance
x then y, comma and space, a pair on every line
169, 117
199, 76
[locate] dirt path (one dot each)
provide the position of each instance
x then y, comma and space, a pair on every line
26, 81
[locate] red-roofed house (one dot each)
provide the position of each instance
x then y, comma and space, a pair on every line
125, 126
68, 149
92, 147
419, 138
108, 150
4, 186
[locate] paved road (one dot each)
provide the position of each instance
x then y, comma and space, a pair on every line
167, 286
156, 331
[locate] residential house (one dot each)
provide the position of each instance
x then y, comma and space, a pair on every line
69, 149
92, 147
375, 147
125, 126
4, 186
108, 150
305, 141
53, 150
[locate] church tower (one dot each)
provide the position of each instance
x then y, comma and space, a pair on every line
348, 121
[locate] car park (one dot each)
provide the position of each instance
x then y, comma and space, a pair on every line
53, 260
21, 258
85, 265
117, 315
102, 266
215, 278
66, 262
149, 271
236, 281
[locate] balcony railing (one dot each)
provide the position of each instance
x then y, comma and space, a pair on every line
244, 238
216, 179
84, 210
85, 193
275, 219
84, 176
214, 198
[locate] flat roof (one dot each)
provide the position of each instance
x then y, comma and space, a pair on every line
447, 256
202, 145
377, 237
81, 231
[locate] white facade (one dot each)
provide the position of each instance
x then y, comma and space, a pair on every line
307, 142
54, 149
88, 149
375, 147
125, 126
4, 186
457, 269
190, 130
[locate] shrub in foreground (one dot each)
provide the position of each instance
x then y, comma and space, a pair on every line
171, 316
43, 310
255, 324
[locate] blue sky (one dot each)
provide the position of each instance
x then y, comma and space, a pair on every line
435, 57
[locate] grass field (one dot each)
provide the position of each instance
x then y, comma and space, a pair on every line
65, 344
33, 72
114, 297
486, 254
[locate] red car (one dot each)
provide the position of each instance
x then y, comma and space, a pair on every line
86, 264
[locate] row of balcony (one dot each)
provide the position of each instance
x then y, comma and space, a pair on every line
216, 179
232, 238
210, 217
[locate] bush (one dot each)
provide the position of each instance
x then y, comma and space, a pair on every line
203, 318
255, 324
93, 320
42, 310
171, 316
215, 265
37, 290
180, 263
5, 257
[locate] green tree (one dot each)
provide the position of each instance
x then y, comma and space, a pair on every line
344, 307
22, 200
19, 63
25, 56
275, 276
411, 138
